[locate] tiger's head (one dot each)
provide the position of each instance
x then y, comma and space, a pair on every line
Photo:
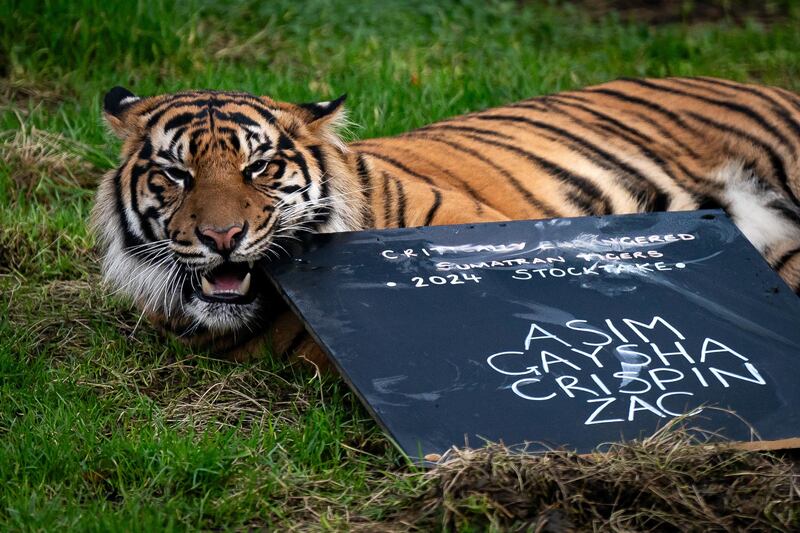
211, 185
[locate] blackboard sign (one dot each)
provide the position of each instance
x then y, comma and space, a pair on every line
563, 333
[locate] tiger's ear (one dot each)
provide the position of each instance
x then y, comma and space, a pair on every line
116, 106
318, 114
325, 119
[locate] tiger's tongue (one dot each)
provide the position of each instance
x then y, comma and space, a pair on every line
228, 283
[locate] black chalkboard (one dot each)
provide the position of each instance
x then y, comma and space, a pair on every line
563, 333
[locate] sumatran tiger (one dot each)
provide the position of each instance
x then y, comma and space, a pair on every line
213, 184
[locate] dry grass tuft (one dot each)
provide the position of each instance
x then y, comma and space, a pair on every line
42, 252
54, 316
670, 481
21, 93
243, 398
34, 155
67, 322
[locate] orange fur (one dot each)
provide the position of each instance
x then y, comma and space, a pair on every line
621, 147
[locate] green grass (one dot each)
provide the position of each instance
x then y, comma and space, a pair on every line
104, 425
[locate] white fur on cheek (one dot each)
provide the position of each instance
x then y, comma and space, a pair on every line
153, 284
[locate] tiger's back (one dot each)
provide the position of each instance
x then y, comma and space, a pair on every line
621, 147
212, 184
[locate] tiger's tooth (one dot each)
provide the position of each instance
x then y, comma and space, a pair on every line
244, 288
208, 288
250, 264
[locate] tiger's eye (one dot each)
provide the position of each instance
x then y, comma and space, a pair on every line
178, 175
254, 169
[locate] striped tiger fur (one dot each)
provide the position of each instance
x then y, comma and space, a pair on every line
212, 183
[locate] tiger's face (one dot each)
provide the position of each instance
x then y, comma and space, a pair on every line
210, 186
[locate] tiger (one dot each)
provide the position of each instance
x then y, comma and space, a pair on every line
214, 185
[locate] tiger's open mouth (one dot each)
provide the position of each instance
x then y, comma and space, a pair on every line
229, 283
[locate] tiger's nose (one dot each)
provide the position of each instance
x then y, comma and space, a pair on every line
222, 240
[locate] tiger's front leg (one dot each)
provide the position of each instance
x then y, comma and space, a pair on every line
286, 336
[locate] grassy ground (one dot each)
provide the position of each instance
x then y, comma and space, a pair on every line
105, 426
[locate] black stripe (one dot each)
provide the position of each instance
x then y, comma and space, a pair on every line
537, 103
211, 111
171, 105
643, 191
775, 106
277, 175
241, 99
401, 204
146, 151
237, 118
785, 258
462, 129
632, 136
557, 99
175, 138
779, 171
638, 139
633, 99
295, 343
437, 201
267, 234
179, 121
319, 157
649, 120
207, 99
589, 198
529, 197
787, 209
398, 164
323, 212
263, 112
464, 184
261, 148
387, 200
696, 83
366, 189
791, 98
285, 142
736, 108
137, 171
234, 140
128, 237
300, 161
709, 202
